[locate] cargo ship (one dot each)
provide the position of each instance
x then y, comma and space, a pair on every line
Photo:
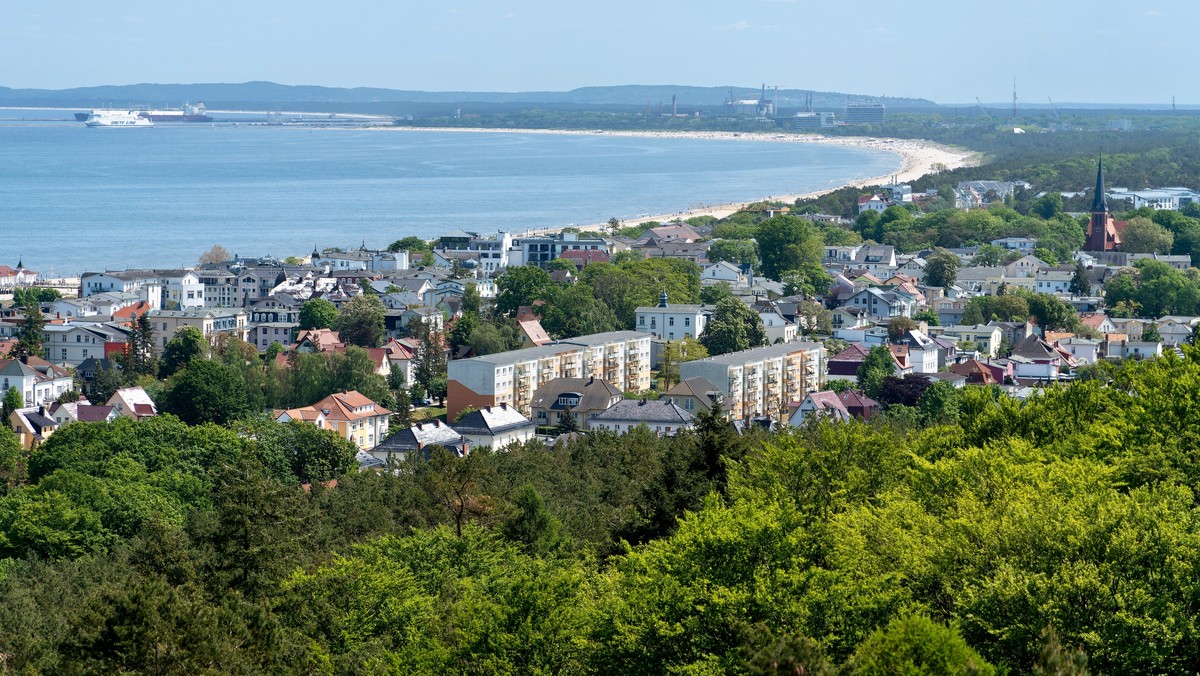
186, 113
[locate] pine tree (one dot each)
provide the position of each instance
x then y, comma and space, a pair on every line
567, 422
30, 335
1079, 282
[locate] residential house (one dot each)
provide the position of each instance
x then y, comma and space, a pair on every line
777, 328
1084, 350
133, 402
858, 404
823, 404
724, 271
531, 334
1134, 349
947, 351
869, 257
421, 439
1014, 332
845, 364
495, 427
881, 304
762, 380
32, 425
210, 322
1023, 244
663, 417
922, 351
541, 249
355, 417
985, 337
1035, 359
74, 344
80, 411
667, 321
38, 381
581, 398
134, 282
977, 373
1098, 322
695, 395
1055, 279
850, 317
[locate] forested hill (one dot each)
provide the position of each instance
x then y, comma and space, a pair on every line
272, 93
968, 534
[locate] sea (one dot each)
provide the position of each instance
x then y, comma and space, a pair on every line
75, 199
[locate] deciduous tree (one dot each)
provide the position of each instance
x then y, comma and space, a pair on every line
733, 326
361, 321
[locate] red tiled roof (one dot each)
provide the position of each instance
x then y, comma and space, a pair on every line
856, 352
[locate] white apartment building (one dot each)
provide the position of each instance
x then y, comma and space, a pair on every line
620, 357
763, 380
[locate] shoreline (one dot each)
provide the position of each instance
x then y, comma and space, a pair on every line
917, 158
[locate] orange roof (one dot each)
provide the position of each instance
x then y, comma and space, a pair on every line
1092, 319
975, 372
533, 329
400, 349
132, 311
344, 405
304, 413
324, 340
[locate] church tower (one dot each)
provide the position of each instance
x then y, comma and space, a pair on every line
1103, 233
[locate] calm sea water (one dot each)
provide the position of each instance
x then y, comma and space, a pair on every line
75, 199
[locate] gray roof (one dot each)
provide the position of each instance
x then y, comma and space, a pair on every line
557, 347
646, 411
420, 435
491, 420
754, 354
595, 393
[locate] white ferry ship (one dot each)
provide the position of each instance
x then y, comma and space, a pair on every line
117, 118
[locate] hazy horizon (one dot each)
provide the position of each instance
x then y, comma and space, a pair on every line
1107, 52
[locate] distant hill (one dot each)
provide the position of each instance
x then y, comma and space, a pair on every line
270, 94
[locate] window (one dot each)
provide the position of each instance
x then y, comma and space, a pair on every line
687, 321
671, 321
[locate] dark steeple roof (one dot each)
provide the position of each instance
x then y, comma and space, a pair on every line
1099, 202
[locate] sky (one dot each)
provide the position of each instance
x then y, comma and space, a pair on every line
1089, 51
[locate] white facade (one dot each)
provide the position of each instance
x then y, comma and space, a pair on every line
620, 357
763, 380
672, 322
73, 344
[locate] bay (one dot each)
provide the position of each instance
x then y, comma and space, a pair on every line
75, 199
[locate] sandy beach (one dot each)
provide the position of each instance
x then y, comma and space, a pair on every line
917, 157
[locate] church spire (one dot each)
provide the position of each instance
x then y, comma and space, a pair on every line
1099, 201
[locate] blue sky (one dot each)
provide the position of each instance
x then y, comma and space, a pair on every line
1083, 51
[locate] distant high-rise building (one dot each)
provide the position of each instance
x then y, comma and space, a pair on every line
864, 113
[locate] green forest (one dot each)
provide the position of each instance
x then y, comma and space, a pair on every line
1055, 536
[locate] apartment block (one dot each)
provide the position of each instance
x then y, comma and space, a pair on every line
763, 380
620, 357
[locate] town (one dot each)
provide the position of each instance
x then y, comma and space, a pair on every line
766, 319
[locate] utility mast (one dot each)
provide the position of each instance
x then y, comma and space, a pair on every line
1014, 112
